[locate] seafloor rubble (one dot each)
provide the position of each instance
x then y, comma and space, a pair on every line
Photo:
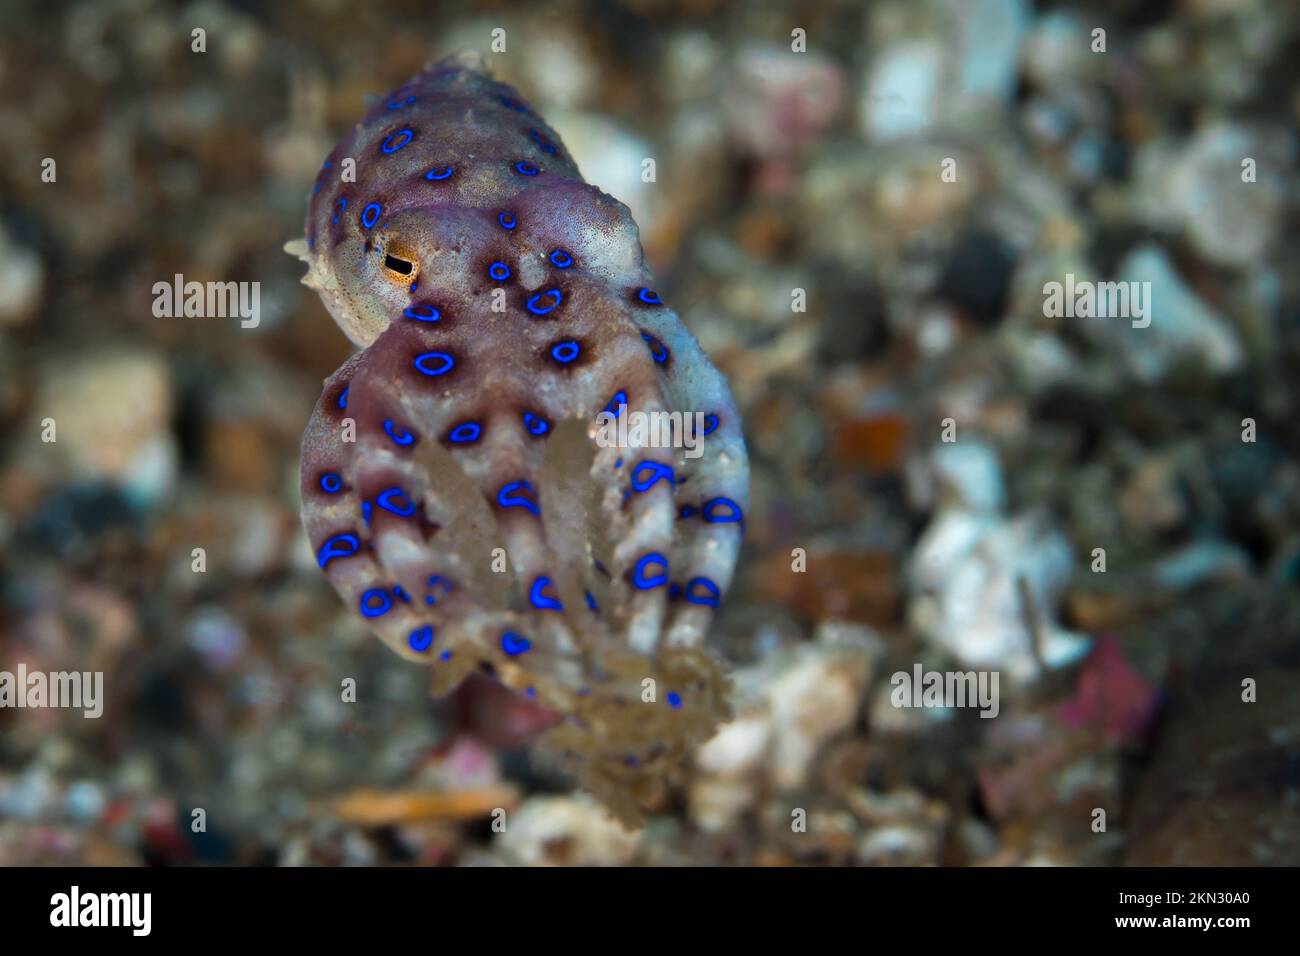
856, 298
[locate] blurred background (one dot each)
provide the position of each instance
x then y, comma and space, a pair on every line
859, 234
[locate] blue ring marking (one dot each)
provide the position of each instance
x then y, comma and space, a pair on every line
712, 593
565, 352
531, 693
618, 462
674, 700
534, 302
338, 546
507, 497
343, 206
366, 509
328, 164
396, 141
391, 429
430, 313
658, 350
465, 432
403, 508
561, 259
414, 286
639, 577
368, 220
710, 424
424, 363
445, 655
620, 398
515, 644
525, 168
399, 592
343, 396
499, 271
535, 424
513, 104
439, 173
710, 508
420, 639
397, 104
591, 602
434, 580
375, 603
658, 472
543, 602
331, 483
649, 296
507, 220
543, 143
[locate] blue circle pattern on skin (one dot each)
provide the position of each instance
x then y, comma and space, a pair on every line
711, 592
436, 581
541, 600
658, 351
649, 296
645, 582
544, 144
657, 472
370, 215
422, 313
399, 435
439, 173
395, 141
544, 302
338, 546
511, 496
499, 271
674, 700
395, 501
514, 644
710, 424
615, 403
420, 639
561, 259
375, 603
399, 103
331, 483
434, 364
343, 207
565, 352
343, 397
507, 220
721, 511
465, 433
525, 168
535, 424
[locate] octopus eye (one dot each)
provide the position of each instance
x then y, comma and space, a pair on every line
401, 266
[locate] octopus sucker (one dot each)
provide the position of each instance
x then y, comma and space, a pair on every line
500, 304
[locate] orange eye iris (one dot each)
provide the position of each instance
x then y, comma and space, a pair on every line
399, 265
